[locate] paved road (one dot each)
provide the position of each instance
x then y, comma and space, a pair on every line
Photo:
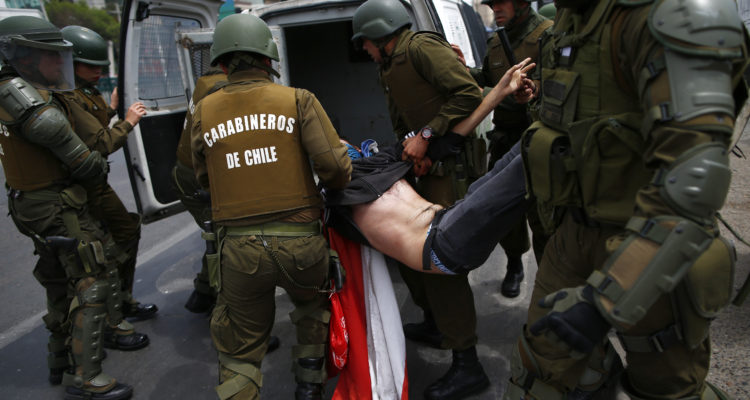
180, 363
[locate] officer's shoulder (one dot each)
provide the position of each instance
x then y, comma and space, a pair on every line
427, 37
705, 28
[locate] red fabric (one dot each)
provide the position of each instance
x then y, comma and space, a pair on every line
354, 380
338, 338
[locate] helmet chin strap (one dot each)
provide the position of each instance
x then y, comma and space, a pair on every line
252, 61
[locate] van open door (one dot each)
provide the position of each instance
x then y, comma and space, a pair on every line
149, 72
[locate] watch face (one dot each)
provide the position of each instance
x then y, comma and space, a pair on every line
427, 133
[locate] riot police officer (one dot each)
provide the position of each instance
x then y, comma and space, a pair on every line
523, 27
45, 164
196, 200
252, 146
428, 91
636, 115
89, 116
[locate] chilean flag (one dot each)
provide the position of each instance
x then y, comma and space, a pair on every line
376, 365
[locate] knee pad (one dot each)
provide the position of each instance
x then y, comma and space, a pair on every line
310, 365
524, 382
237, 376
88, 325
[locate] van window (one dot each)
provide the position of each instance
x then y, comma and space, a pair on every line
159, 74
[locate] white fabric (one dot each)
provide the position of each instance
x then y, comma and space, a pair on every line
385, 336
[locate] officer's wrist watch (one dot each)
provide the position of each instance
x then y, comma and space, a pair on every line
426, 133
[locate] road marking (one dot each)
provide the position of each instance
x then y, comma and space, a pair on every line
31, 323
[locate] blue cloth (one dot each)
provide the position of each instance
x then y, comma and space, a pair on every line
352, 152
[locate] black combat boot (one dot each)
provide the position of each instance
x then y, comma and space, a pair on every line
465, 377
112, 339
425, 332
200, 303
120, 391
309, 390
511, 286
139, 311
273, 344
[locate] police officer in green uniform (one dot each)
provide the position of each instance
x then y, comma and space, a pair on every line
195, 199
189, 191
524, 27
636, 114
45, 165
89, 116
253, 144
428, 91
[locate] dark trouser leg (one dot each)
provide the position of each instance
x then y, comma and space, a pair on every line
470, 230
51, 275
185, 184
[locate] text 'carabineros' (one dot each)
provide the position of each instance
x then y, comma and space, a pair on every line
249, 123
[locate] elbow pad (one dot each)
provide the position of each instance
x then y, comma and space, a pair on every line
651, 261
696, 184
48, 127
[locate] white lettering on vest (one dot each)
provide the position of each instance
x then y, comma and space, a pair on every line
230, 128
261, 155
290, 125
233, 160
238, 124
249, 123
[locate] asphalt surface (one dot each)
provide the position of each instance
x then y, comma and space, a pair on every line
180, 362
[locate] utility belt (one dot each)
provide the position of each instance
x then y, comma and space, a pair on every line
272, 230
90, 254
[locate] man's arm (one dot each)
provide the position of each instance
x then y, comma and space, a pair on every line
438, 64
321, 142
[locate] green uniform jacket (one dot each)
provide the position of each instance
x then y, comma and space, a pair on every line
438, 65
89, 116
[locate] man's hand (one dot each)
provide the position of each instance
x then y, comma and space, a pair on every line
459, 53
114, 100
526, 92
136, 111
574, 321
422, 167
415, 148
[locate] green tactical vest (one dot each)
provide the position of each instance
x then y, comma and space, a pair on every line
27, 166
204, 86
415, 99
254, 156
587, 149
527, 46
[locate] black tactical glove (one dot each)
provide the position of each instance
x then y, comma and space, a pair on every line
94, 168
573, 320
447, 145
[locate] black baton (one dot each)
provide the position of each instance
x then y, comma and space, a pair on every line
503, 36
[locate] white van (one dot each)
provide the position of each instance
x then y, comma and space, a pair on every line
166, 48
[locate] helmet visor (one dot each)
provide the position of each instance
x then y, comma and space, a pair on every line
45, 66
